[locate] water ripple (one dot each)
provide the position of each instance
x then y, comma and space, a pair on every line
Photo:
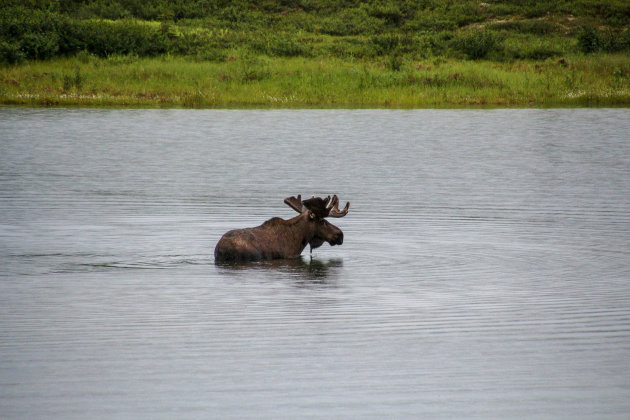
484, 271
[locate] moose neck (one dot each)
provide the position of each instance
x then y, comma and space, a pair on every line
299, 233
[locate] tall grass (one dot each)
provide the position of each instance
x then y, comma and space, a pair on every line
245, 80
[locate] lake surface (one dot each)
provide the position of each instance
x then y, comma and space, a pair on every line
485, 271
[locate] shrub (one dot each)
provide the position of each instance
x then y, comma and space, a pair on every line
122, 37
530, 47
424, 46
232, 14
11, 53
85, 57
395, 62
430, 44
588, 40
389, 12
385, 43
390, 43
252, 68
41, 34
536, 27
591, 40
538, 9
350, 48
623, 40
212, 54
351, 22
28, 34
537, 52
283, 45
431, 23
613, 12
187, 43
40, 45
476, 44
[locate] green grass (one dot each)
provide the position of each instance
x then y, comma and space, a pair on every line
244, 79
315, 53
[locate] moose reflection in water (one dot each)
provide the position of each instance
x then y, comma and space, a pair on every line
303, 271
278, 238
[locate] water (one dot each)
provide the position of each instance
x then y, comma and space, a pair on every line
485, 271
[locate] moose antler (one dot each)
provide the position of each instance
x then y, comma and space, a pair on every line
333, 208
295, 203
321, 207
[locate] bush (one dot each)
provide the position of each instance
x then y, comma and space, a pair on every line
431, 44
351, 22
41, 45
41, 34
189, 43
431, 23
252, 69
588, 40
424, 46
385, 43
212, 54
389, 12
476, 44
74, 80
530, 47
591, 40
283, 45
623, 40
11, 53
537, 52
535, 27
395, 62
28, 34
349, 48
612, 12
121, 37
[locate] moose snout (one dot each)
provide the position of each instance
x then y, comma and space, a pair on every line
338, 240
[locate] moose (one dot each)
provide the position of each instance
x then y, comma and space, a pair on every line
278, 238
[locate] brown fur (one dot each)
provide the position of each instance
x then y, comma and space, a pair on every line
276, 238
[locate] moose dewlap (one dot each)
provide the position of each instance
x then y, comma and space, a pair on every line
278, 238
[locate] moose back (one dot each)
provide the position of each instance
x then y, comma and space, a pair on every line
278, 238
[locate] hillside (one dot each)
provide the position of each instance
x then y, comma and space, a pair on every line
389, 44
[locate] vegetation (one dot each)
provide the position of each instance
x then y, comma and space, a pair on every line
402, 53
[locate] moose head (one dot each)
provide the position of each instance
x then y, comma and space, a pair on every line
317, 210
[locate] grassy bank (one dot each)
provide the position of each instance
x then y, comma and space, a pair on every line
315, 53
253, 81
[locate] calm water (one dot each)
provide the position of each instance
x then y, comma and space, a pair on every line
485, 271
